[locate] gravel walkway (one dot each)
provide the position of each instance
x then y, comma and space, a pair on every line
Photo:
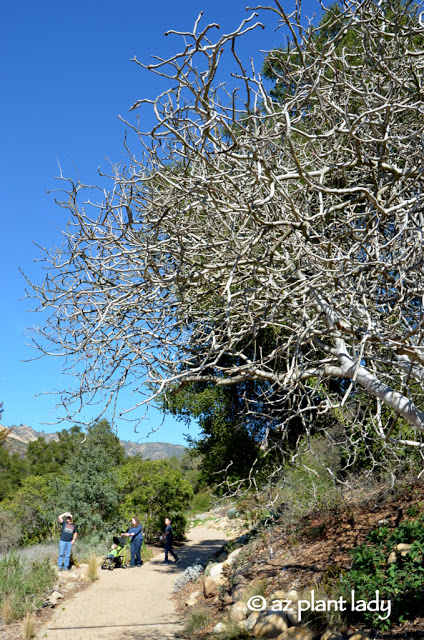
130, 604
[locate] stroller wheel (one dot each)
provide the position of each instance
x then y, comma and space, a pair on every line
123, 566
104, 566
111, 568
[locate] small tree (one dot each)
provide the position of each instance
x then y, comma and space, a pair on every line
152, 490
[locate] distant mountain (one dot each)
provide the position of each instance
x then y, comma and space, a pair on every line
19, 437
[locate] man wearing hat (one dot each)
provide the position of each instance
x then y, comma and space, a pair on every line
68, 536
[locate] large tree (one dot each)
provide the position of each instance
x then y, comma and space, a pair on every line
242, 212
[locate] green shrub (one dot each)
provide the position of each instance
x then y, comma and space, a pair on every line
24, 585
10, 531
401, 582
197, 621
201, 502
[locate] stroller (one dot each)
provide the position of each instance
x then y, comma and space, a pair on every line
116, 557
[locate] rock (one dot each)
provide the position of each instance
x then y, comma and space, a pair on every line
219, 628
392, 557
292, 595
238, 592
54, 598
191, 602
251, 620
293, 616
232, 556
210, 588
216, 573
226, 600
297, 633
270, 624
360, 635
331, 635
222, 556
404, 548
238, 612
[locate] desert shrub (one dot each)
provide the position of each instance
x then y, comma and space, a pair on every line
28, 626
189, 575
254, 588
401, 582
201, 502
198, 620
23, 584
10, 531
93, 568
232, 513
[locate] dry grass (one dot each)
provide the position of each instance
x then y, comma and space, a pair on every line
28, 626
7, 610
93, 568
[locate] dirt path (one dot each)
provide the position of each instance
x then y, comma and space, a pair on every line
130, 604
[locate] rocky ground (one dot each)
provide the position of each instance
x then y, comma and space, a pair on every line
296, 558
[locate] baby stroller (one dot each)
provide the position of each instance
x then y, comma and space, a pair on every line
116, 557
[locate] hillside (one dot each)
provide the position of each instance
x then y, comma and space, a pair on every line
19, 437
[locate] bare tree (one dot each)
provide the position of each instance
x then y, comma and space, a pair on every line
239, 213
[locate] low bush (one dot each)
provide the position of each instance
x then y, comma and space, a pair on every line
198, 620
201, 502
189, 575
10, 532
401, 581
93, 568
23, 585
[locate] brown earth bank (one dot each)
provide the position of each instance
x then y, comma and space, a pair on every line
306, 554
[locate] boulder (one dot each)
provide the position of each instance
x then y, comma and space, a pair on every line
331, 635
404, 548
238, 612
219, 628
238, 592
360, 635
270, 624
251, 620
216, 573
191, 602
297, 633
210, 587
54, 598
232, 556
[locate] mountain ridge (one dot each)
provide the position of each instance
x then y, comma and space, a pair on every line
21, 435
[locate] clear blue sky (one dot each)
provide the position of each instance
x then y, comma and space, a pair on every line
65, 76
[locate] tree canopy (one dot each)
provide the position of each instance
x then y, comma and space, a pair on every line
242, 212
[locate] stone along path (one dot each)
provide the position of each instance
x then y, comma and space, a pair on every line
131, 604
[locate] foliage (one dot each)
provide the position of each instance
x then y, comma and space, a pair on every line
12, 471
10, 531
92, 469
93, 568
188, 575
152, 490
198, 620
24, 585
201, 502
402, 581
34, 507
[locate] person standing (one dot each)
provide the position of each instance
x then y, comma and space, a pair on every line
136, 534
68, 535
169, 540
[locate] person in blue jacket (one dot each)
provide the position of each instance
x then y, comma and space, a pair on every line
136, 534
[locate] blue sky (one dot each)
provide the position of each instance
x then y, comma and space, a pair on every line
66, 75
